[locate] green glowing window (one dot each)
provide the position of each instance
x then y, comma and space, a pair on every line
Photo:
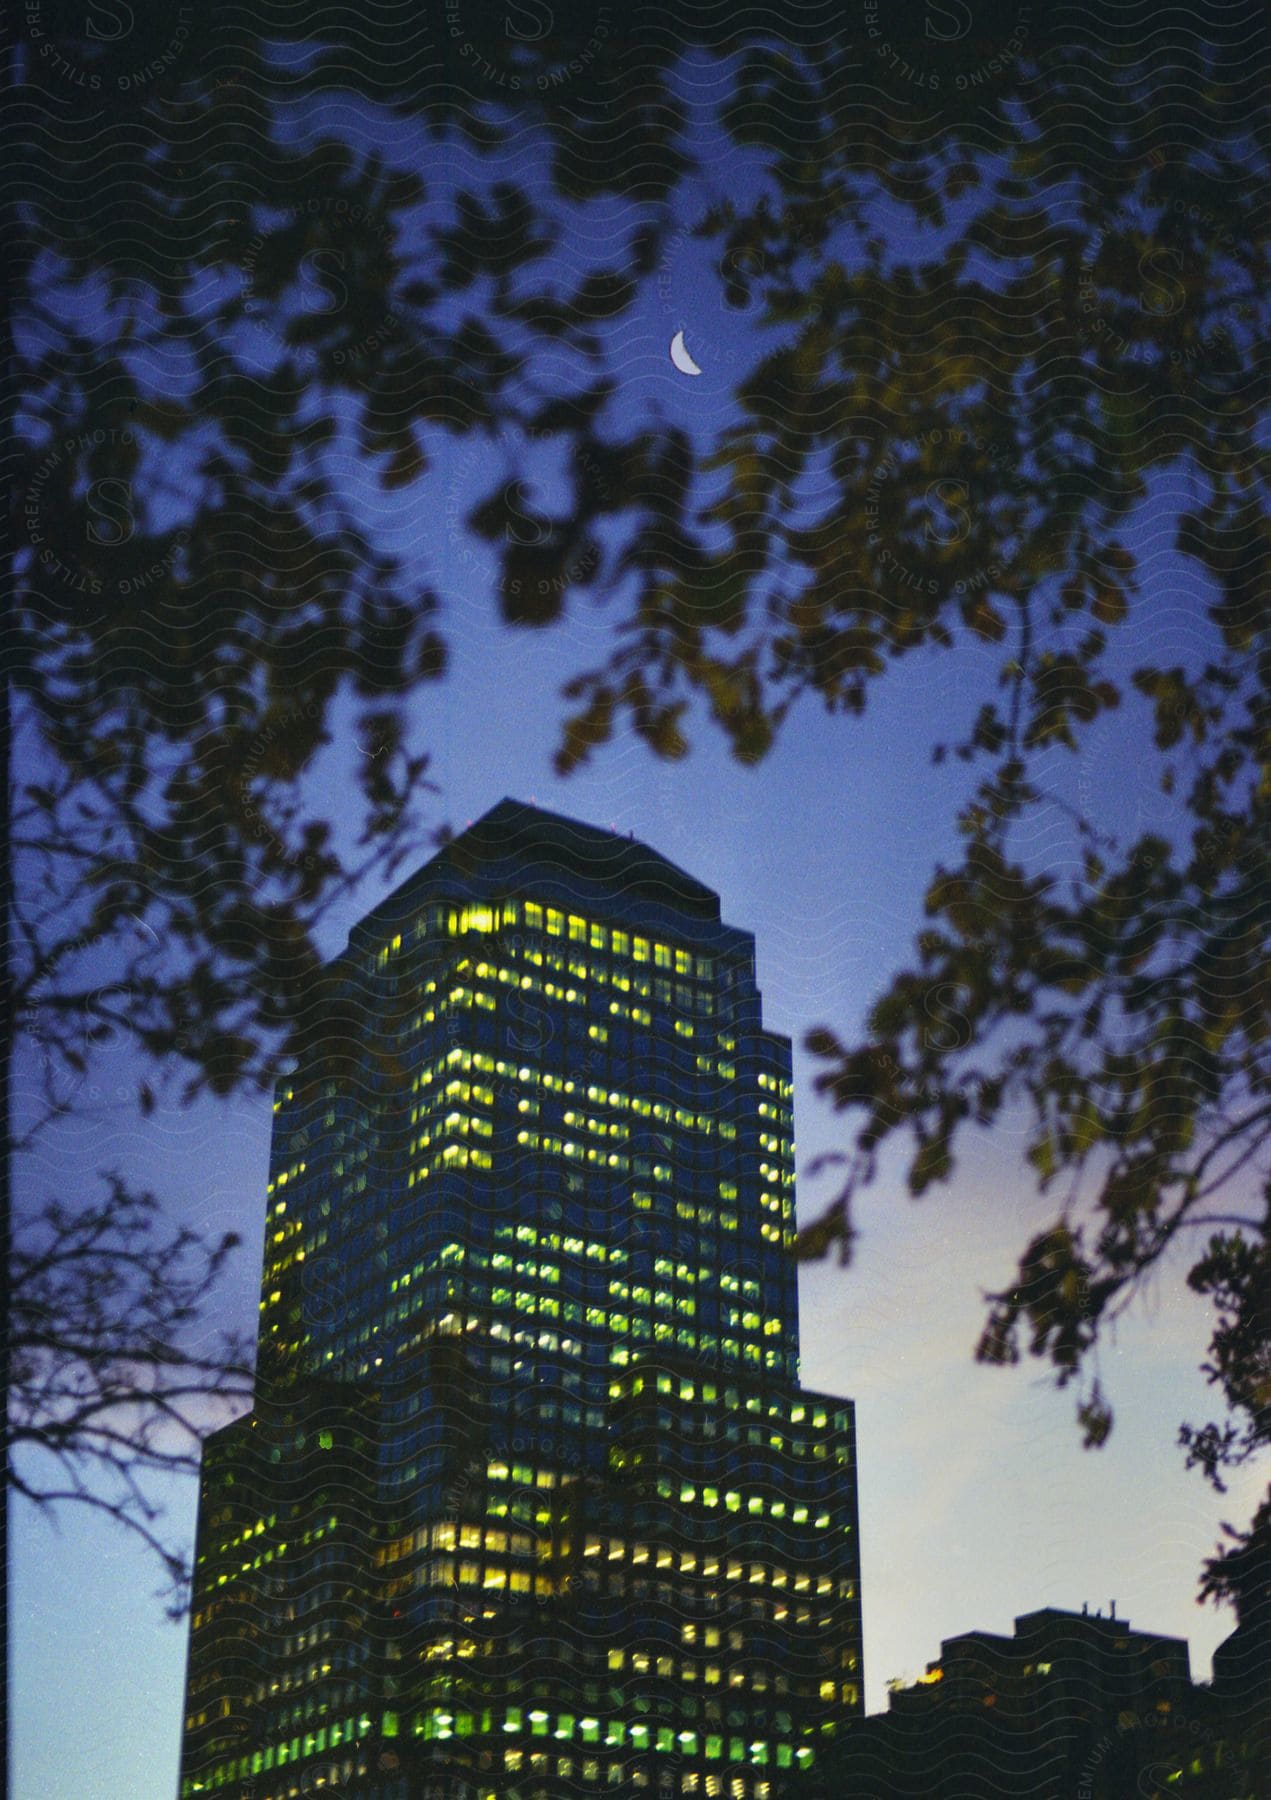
662, 956
534, 915
577, 929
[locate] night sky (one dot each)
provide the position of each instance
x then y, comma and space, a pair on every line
977, 1500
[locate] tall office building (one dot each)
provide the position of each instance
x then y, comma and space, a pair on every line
531, 1502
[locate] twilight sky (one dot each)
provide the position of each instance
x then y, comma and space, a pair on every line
977, 1502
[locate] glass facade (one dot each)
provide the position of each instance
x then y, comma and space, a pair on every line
531, 1502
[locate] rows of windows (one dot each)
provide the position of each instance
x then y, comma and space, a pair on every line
441, 1724
484, 918
308, 1540
456, 1325
536, 1722
638, 1329
796, 1410
465, 993
256, 1529
567, 1244
290, 1751
297, 1168
477, 1093
466, 1062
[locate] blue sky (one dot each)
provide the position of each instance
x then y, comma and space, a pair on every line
977, 1501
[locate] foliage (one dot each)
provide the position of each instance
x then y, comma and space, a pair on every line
993, 304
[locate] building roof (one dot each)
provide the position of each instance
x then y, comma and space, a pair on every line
514, 845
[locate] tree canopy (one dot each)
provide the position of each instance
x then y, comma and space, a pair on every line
996, 286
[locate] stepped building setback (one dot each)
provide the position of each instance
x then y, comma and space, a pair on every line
531, 1501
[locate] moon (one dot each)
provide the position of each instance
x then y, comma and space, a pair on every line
680, 356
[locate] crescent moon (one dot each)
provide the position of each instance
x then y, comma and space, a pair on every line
680, 356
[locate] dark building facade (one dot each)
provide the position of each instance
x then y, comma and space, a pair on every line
1073, 1706
532, 1502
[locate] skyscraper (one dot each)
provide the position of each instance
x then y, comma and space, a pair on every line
531, 1501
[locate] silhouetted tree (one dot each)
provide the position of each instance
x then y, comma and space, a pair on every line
1001, 283
112, 1372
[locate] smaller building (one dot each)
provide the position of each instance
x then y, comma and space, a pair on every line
1059, 1665
1072, 1706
